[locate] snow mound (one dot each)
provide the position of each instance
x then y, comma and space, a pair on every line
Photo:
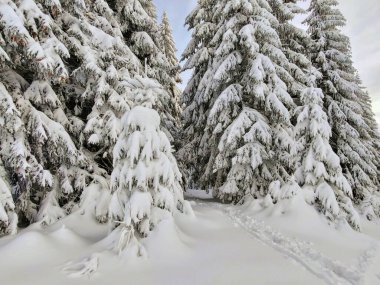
167, 242
66, 236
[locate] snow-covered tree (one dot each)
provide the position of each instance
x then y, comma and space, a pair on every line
371, 138
8, 216
245, 143
295, 43
299, 72
108, 78
141, 33
101, 65
319, 169
344, 97
36, 147
198, 55
168, 46
143, 89
146, 181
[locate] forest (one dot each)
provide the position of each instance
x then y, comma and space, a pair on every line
98, 141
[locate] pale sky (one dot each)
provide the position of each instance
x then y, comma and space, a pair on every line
363, 28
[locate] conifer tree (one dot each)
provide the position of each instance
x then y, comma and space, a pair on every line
299, 72
319, 167
36, 147
247, 139
371, 199
373, 136
140, 30
146, 181
101, 67
198, 55
344, 100
63, 84
8, 216
168, 46
295, 43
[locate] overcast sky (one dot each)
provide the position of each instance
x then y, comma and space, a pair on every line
363, 27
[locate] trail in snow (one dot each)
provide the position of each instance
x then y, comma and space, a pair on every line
329, 270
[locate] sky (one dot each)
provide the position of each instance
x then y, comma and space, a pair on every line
363, 28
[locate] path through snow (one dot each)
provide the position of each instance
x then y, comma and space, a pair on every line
331, 271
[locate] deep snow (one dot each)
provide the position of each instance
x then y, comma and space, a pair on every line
257, 243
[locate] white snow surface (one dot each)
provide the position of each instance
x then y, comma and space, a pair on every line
257, 243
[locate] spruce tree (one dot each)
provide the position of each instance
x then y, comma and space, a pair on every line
36, 147
371, 199
146, 181
299, 73
140, 30
63, 84
295, 43
246, 140
319, 168
101, 67
8, 216
168, 46
344, 100
198, 55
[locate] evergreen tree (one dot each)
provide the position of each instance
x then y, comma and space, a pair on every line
247, 139
36, 148
140, 29
300, 73
344, 98
145, 180
101, 69
371, 199
198, 54
319, 167
8, 216
373, 136
295, 43
168, 46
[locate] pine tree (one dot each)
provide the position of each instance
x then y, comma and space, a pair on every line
344, 98
373, 136
8, 216
168, 46
101, 66
247, 139
198, 54
36, 147
145, 180
371, 199
140, 30
295, 43
299, 72
319, 167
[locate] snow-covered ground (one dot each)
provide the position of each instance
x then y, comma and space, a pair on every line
257, 243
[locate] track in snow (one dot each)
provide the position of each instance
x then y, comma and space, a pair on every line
329, 270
